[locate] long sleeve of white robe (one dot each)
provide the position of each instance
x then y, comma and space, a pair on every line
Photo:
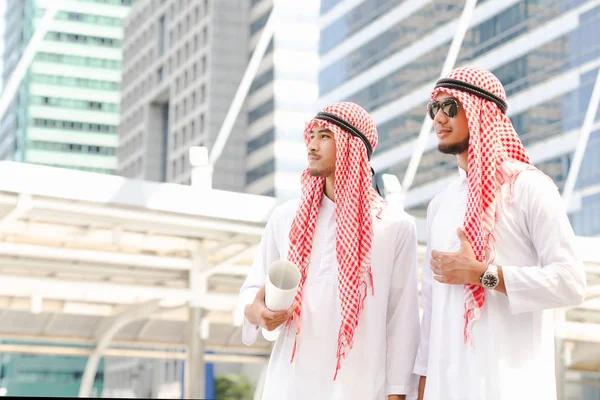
267, 254
403, 315
558, 280
513, 351
426, 283
386, 339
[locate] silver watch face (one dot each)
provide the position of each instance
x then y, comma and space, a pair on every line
489, 280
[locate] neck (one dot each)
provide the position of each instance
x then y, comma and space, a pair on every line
330, 187
463, 161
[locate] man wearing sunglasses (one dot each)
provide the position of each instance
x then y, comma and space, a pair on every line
500, 256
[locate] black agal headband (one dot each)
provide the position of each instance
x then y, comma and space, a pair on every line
348, 127
352, 130
475, 90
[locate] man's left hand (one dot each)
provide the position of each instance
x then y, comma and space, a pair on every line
397, 397
457, 268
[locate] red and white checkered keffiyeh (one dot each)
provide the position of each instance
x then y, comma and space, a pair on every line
354, 201
493, 144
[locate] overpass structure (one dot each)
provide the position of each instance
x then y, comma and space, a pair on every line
152, 270
132, 268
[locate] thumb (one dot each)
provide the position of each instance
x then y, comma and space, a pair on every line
292, 308
260, 295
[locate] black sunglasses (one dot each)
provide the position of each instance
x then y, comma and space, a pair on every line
448, 106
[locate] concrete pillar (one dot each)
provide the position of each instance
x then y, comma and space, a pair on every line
559, 353
194, 375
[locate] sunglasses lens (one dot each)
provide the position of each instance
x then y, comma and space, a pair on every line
450, 109
433, 108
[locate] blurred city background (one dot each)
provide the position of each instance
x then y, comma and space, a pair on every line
122, 251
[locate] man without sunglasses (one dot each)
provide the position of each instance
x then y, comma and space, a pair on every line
500, 255
354, 328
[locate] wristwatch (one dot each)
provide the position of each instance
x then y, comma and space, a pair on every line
490, 279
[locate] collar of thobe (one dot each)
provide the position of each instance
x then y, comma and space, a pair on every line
464, 182
326, 204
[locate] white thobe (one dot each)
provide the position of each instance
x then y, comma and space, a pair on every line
512, 357
387, 335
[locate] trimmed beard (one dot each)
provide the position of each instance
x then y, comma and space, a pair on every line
454, 148
320, 172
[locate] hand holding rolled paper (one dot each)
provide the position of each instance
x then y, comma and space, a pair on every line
273, 304
281, 286
258, 313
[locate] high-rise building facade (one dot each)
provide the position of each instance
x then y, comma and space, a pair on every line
283, 96
183, 62
387, 55
65, 112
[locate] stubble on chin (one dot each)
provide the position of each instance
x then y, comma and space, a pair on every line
454, 148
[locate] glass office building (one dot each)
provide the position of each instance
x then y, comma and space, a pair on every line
283, 96
66, 110
385, 55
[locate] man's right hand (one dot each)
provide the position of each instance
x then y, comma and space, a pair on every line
258, 313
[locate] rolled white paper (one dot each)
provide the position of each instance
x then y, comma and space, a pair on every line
281, 286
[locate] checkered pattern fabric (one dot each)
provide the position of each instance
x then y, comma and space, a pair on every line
493, 141
354, 201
